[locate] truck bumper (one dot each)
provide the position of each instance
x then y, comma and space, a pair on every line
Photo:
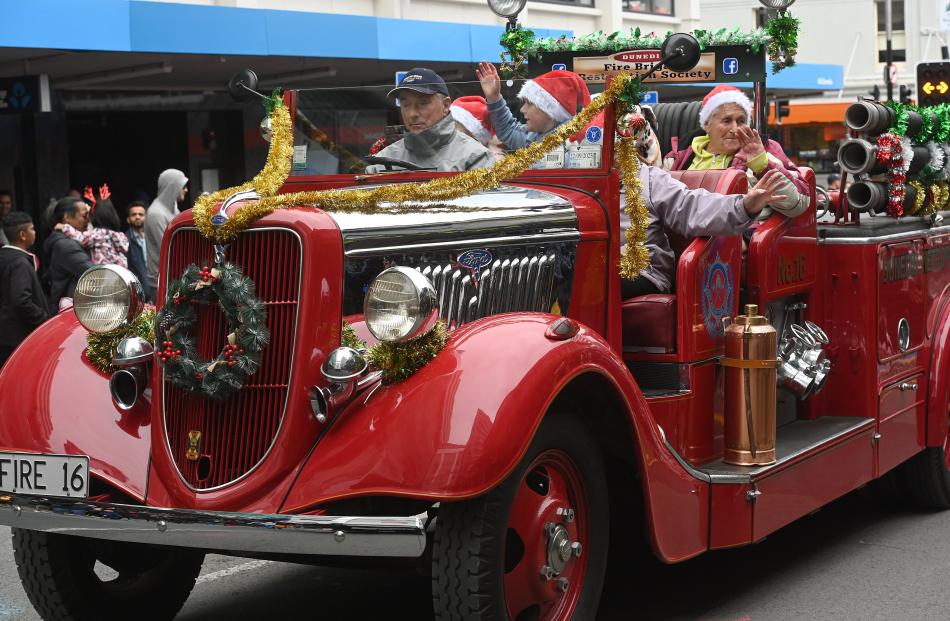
250, 533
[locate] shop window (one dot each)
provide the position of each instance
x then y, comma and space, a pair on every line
657, 7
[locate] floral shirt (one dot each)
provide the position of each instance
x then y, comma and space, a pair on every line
104, 245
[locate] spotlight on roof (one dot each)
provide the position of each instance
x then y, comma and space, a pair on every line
780, 5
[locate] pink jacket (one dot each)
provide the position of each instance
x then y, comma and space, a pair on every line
104, 245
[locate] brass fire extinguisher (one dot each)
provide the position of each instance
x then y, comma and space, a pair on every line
750, 364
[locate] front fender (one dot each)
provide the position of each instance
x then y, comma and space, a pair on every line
938, 395
52, 400
456, 428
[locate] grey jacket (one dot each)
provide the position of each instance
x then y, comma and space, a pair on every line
691, 213
441, 147
158, 216
510, 132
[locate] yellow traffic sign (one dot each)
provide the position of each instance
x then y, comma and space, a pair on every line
928, 87
943, 87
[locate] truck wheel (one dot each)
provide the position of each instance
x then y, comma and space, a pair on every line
535, 547
927, 479
58, 574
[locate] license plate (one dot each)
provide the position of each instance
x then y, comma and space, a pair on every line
44, 475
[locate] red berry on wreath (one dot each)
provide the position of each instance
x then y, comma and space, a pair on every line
199, 376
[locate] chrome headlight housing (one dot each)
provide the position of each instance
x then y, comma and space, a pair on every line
507, 8
400, 305
106, 297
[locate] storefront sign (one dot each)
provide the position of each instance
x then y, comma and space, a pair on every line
28, 93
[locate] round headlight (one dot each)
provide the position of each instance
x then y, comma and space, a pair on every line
106, 297
400, 305
507, 8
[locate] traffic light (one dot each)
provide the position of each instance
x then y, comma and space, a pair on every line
933, 83
905, 94
781, 110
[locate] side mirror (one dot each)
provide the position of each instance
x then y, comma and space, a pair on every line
680, 52
243, 85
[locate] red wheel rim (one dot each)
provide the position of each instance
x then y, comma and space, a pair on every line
538, 526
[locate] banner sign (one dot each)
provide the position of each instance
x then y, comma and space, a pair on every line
28, 93
722, 63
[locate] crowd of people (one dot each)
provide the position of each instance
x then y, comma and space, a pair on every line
82, 230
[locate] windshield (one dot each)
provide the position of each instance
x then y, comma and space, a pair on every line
339, 130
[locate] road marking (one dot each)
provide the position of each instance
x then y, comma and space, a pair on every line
230, 571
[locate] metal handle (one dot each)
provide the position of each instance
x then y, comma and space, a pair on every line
908, 386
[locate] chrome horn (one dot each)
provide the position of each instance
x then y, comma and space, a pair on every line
803, 364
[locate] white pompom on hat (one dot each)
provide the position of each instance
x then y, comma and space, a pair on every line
559, 94
472, 113
721, 95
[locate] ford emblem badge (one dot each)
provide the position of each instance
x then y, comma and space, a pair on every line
219, 219
474, 260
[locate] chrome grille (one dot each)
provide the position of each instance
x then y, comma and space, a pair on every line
524, 282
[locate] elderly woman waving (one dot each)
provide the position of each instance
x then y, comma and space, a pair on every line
729, 142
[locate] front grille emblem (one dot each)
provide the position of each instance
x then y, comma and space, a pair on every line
474, 261
194, 444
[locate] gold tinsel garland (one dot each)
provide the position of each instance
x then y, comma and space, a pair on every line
399, 361
920, 195
938, 194
100, 348
405, 198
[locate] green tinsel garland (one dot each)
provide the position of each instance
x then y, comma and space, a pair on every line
783, 40
941, 114
927, 126
900, 114
248, 334
635, 39
517, 43
101, 347
631, 95
348, 338
276, 98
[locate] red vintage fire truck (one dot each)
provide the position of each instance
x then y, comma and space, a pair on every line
556, 416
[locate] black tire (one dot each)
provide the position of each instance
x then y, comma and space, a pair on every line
476, 550
57, 572
926, 479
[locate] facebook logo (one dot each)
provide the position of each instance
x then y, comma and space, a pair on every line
559, 67
730, 66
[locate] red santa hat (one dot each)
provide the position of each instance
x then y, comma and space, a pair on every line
559, 94
472, 113
721, 95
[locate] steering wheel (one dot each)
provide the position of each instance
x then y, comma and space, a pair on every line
822, 202
389, 162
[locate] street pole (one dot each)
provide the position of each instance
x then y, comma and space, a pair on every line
888, 55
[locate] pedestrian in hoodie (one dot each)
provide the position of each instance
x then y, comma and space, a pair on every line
171, 191
66, 259
23, 305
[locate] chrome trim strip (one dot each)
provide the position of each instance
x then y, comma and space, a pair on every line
693, 472
250, 533
293, 353
885, 238
554, 236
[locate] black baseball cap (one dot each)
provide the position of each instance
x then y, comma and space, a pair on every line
421, 80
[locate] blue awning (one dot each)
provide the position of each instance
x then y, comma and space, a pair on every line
163, 27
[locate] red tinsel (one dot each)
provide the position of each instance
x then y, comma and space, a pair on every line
890, 153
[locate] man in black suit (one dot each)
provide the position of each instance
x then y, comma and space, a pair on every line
138, 257
23, 305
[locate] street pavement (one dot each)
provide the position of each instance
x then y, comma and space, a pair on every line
866, 557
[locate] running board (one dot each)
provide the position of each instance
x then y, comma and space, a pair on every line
795, 442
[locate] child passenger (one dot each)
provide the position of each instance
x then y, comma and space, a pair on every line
103, 238
548, 101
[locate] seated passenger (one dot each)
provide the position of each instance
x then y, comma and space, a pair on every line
548, 101
433, 141
691, 213
471, 117
729, 142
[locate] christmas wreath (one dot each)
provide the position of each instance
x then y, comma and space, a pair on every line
240, 355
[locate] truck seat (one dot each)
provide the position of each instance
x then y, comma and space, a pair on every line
650, 321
